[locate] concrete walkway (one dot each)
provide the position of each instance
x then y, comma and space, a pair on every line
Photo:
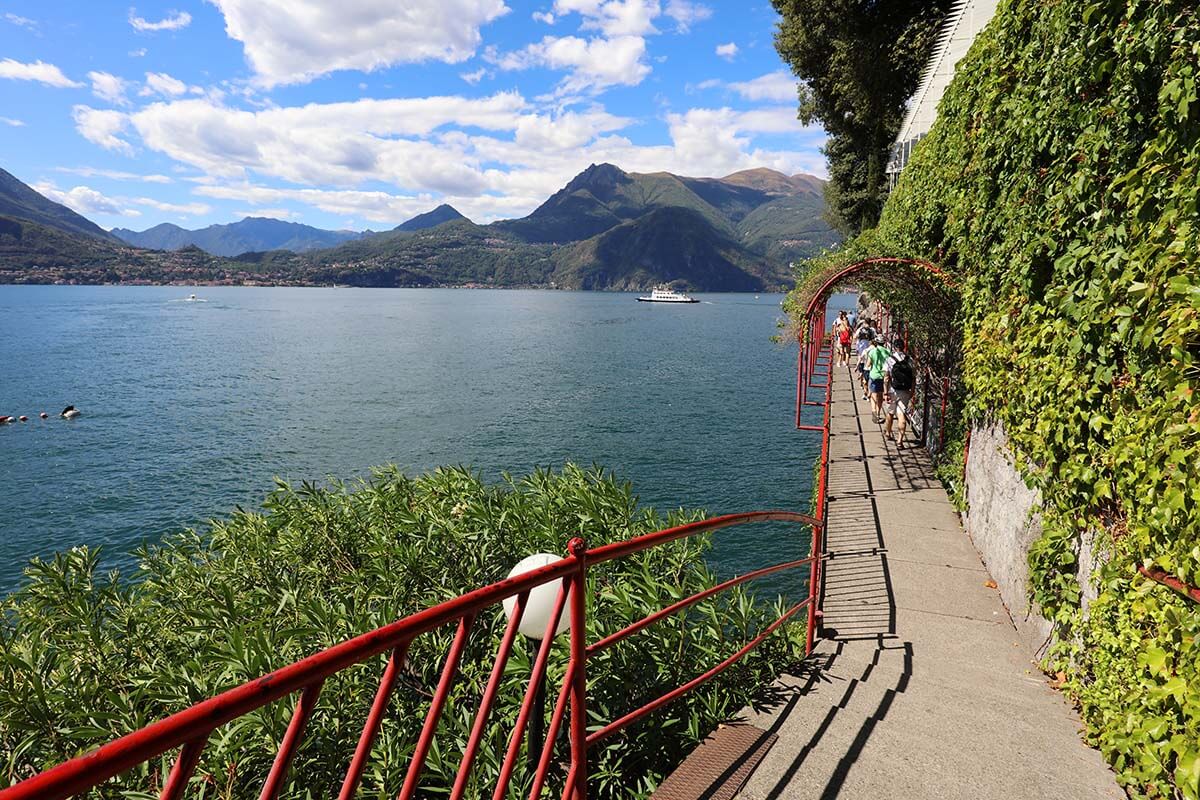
920, 687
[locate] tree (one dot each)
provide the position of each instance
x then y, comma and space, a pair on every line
858, 62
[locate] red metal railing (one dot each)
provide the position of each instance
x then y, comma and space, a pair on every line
190, 729
1160, 575
808, 363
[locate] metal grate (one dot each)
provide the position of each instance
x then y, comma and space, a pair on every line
719, 767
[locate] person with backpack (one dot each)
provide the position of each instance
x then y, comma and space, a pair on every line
900, 379
876, 357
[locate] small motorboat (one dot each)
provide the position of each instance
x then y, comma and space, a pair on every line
664, 294
70, 412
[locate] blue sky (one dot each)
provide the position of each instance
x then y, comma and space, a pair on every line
362, 113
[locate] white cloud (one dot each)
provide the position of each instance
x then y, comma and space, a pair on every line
86, 200
12, 123
164, 84
490, 157
274, 213
594, 64
113, 174
175, 20
687, 13
102, 127
774, 86
613, 17
377, 206
616, 57
720, 141
108, 87
186, 209
38, 71
473, 77
140, 52
323, 36
727, 51
404, 142
23, 22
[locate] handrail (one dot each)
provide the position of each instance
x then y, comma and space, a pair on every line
1160, 575
190, 729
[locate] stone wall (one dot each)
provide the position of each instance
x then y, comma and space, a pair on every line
1002, 520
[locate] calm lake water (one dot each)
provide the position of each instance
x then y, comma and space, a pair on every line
190, 409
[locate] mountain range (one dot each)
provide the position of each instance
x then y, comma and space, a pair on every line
606, 229
251, 233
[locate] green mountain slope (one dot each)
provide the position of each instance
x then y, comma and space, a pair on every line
668, 245
165, 236
787, 228
29, 245
20, 201
603, 196
610, 229
453, 253
443, 213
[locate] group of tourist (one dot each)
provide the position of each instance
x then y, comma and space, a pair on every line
885, 372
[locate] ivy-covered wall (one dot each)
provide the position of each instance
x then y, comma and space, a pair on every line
1061, 187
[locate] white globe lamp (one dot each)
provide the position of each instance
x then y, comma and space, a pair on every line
540, 603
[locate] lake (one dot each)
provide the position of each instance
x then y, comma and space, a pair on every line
192, 408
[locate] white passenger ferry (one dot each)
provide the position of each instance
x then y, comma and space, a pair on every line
663, 294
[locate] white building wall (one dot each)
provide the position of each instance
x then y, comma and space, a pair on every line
966, 19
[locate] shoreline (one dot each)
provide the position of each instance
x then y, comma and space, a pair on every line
465, 287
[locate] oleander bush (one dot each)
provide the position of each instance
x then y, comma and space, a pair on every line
85, 656
1061, 186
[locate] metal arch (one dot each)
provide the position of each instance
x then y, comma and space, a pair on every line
860, 266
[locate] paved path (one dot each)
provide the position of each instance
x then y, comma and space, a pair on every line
920, 688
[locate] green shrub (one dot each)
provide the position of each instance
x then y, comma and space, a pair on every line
86, 657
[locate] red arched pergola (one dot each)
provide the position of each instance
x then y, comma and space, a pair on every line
897, 272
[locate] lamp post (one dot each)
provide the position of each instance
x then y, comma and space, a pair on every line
538, 608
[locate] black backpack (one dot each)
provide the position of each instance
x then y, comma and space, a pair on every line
902, 375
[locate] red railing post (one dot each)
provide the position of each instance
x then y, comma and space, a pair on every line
366, 740
942, 421
291, 741
182, 771
489, 697
818, 530
440, 695
966, 455
579, 770
800, 379
926, 392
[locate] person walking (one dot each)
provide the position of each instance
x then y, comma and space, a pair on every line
844, 336
876, 357
862, 342
899, 379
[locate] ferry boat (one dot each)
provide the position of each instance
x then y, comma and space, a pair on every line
664, 294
